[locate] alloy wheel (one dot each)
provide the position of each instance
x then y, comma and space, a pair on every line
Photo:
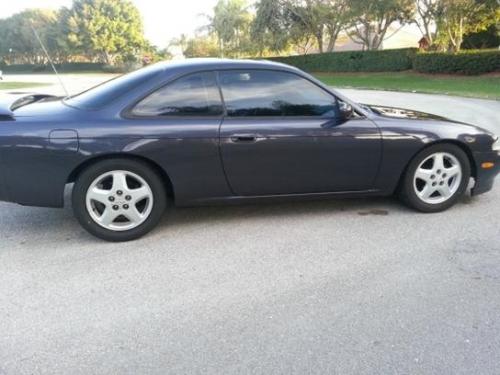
437, 178
119, 200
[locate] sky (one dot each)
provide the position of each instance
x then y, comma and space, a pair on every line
163, 19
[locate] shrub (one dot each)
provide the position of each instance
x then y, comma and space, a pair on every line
353, 61
464, 62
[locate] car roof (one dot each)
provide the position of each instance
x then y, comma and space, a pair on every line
199, 64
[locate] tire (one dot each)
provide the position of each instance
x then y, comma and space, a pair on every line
429, 187
119, 199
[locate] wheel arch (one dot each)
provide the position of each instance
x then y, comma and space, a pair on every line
454, 142
96, 159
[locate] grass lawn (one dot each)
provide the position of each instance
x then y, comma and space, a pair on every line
486, 86
19, 85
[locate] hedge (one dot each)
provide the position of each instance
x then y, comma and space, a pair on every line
392, 60
464, 62
64, 68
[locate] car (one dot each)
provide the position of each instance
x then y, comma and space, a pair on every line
211, 131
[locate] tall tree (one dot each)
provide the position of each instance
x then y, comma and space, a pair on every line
427, 12
284, 21
373, 18
17, 41
201, 46
230, 23
336, 15
108, 29
489, 38
459, 17
270, 27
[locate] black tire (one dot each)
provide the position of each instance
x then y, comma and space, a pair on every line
407, 190
142, 169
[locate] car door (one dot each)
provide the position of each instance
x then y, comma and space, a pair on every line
282, 135
178, 127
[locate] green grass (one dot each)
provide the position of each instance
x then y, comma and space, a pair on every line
19, 85
487, 86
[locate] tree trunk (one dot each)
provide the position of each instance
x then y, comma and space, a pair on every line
319, 38
334, 33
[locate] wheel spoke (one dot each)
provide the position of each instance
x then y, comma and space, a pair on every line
453, 171
120, 181
426, 192
108, 216
133, 215
139, 194
424, 174
99, 195
444, 190
438, 162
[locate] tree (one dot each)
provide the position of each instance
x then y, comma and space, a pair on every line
427, 11
231, 25
373, 18
108, 29
455, 18
271, 27
291, 21
489, 38
336, 15
18, 41
202, 46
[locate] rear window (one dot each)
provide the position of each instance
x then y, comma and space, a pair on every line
103, 94
193, 95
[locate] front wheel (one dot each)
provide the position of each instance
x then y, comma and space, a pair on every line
119, 199
436, 178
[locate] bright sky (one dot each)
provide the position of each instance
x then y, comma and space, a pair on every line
163, 19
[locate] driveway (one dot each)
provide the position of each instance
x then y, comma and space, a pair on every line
362, 286
480, 112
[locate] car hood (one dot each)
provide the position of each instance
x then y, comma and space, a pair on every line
408, 114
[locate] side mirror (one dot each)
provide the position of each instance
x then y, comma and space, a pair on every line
346, 111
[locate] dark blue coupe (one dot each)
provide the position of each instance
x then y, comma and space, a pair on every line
210, 131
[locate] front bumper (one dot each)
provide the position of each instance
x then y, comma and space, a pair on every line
485, 177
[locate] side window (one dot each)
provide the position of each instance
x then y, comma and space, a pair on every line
272, 93
193, 95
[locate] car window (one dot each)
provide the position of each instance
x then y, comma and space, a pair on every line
192, 95
273, 93
103, 94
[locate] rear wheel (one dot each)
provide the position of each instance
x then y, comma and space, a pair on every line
119, 199
436, 178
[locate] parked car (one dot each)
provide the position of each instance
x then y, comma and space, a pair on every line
208, 131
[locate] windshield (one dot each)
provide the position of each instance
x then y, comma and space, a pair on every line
103, 94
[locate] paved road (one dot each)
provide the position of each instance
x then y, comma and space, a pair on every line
360, 286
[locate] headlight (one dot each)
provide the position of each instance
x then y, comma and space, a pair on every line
496, 145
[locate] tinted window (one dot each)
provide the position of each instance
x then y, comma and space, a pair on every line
271, 93
106, 92
193, 95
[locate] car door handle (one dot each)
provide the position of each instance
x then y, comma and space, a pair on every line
244, 138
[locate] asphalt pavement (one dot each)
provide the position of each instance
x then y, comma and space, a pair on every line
358, 286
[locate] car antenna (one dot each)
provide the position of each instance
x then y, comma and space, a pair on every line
50, 60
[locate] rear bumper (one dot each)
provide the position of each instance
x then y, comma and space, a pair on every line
485, 177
